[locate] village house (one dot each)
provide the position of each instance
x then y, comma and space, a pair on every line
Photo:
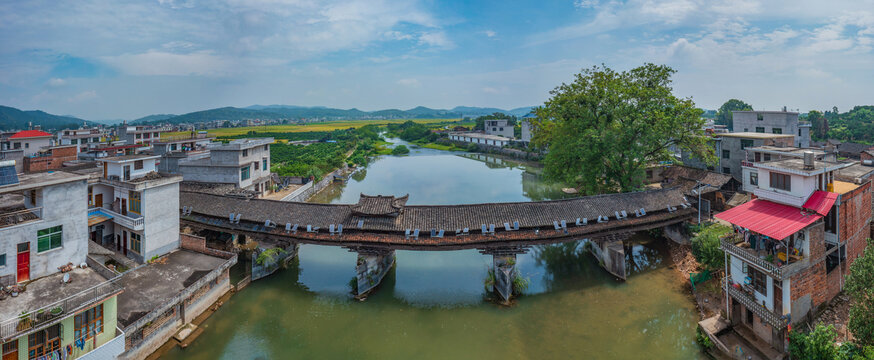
133, 209
30, 141
141, 134
480, 139
499, 127
243, 163
84, 138
51, 306
50, 158
773, 122
792, 245
730, 149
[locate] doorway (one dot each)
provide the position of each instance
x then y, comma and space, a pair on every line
23, 262
124, 207
98, 200
124, 243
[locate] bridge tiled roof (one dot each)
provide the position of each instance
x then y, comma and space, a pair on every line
379, 205
530, 215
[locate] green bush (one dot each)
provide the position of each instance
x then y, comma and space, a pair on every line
400, 150
705, 246
860, 287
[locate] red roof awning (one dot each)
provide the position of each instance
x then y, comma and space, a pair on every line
29, 134
821, 202
775, 220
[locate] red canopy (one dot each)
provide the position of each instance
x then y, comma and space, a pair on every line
769, 218
821, 202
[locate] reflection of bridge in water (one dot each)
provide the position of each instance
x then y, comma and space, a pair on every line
378, 225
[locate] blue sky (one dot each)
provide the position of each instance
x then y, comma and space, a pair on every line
116, 59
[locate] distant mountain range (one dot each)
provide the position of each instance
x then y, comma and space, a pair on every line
14, 119
292, 112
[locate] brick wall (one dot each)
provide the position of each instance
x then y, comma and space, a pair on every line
855, 220
833, 281
866, 155
54, 161
817, 241
198, 244
811, 281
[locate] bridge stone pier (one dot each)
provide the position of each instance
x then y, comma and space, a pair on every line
373, 264
610, 251
504, 268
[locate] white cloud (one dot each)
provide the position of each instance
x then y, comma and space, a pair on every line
155, 62
436, 39
586, 4
490, 33
57, 82
413, 83
83, 96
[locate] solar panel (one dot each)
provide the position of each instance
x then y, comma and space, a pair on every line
8, 175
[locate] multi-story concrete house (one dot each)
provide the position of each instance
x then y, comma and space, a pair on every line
525, 125
134, 210
730, 150
792, 245
65, 310
141, 134
30, 141
242, 162
499, 127
768, 153
84, 138
773, 122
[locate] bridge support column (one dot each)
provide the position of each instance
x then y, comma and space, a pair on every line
266, 261
373, 264
504, 270
675, 232
610, 252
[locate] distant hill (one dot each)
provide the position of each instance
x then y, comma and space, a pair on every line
320, 113
15, 119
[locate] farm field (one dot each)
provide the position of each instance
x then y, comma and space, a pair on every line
321, 126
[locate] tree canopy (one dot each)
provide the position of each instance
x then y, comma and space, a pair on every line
856, 125
723, 115
604, 128
860, 287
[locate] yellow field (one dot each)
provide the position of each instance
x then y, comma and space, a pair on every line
322, 126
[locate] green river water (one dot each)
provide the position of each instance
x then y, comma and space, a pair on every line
433, 305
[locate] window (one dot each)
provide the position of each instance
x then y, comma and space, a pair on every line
781, 181
502, 129
244, 173
767, 157
138, 165
799, 132
135, 202
745, 144
44, 342
17, 145
760, 117
264, 164
777, 130
27, 145
172, 147
758, 156
726, 154
726, 170
758, 281
266, 147
2, 259
746, 129
157, 134
90, 196
245, 152
754, 179
10, 348
139, 136
50, 238
88, 323
74, 141
760, 129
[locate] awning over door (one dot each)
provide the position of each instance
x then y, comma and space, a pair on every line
775, 220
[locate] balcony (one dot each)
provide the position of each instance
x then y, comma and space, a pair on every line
84, 290
782, 197
738, 292
109, 350
778, 270
133, 223
19, 216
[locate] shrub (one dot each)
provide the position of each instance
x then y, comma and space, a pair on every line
400, 150
860, 287
705, 246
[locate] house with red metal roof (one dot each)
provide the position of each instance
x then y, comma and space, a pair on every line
791, 246
30, 141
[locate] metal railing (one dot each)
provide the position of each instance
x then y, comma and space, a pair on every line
20, 216
750, 302
57, 311
124, 220
728, 245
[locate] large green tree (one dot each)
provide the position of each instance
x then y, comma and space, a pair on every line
819, 125
860, 287
603, 129
723, 115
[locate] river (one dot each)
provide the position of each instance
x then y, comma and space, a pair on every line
433, 304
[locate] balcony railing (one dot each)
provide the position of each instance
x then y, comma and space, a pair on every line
750, 302
133, 223
109, 350
53, 313
728, 245
747, 163
20, 216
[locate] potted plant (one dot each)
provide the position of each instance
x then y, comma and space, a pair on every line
55, 311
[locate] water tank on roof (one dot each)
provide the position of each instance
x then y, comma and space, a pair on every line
808, 160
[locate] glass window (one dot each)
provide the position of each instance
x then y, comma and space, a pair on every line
726, 170
760, 117
138, 165
760, 129
74, 141
726, 154
136, 243
2, 259
754, 179
135, 202
88, 323
767, 157
245, 152
777, 130
758, 280
44, 342
11, 348
745, 144
244, 173
264, 164
50, 238
781, 181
